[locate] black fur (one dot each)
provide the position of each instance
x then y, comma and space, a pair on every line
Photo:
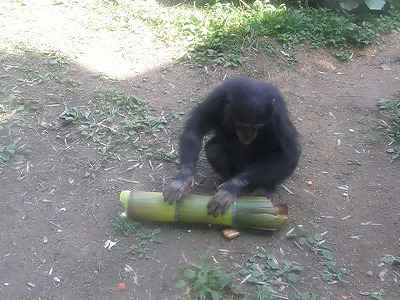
265, 162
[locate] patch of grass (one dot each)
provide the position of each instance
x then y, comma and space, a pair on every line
11, 152
73, 115
125, 225
217, 33
113, 119
391, 260
379, 295
11, 111
390, 125
317, 244
206, 281
160, 154
92, 170
146, 236
309, 296
265, 269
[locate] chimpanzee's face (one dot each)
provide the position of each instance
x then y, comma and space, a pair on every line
246, 133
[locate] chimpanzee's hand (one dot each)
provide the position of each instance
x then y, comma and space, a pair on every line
178, 187
222, 199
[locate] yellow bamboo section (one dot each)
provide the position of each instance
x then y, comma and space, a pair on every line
246, 211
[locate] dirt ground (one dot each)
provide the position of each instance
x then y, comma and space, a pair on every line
55, 219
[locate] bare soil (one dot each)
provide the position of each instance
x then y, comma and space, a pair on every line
55, 221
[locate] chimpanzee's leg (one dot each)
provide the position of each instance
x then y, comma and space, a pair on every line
224, 158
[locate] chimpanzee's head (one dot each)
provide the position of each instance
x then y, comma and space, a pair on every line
248, 108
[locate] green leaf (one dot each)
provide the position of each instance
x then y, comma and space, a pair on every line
331, 266
307, 296
292, 278
350, 4
189, 274
180, 284
317, 237
225, 280
327, 254
296, 268
327, 277
215, 295
387, 259
273, 265
375, 4
243, 272
396, 262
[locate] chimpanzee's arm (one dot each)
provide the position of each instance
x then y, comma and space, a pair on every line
202, 120
266, 173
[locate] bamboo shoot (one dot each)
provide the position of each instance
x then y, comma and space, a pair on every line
246, 211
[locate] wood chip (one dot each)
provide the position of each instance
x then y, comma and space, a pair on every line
230, 233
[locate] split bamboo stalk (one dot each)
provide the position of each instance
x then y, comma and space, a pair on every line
246, 211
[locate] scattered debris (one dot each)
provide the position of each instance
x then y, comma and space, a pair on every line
344, 188
382, 274
287, 189
109, 244
128, 268
327, 217
370, 223
384, 67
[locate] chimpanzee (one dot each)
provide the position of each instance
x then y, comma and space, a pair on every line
255, 145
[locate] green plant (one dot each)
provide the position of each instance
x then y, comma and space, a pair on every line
125, 225
318, 245
146, 236
391, 260
10, 152
73, 115
91, 171
333, 272
218, 32
309, 296
265, 292
15, 102
265, 268
206, 281
160, 154
390, 126
380, 295
113, 119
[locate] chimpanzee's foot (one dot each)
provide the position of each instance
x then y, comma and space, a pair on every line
261, 192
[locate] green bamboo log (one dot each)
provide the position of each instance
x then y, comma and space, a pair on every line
246, 211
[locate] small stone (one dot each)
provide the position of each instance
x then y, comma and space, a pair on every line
370, 273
